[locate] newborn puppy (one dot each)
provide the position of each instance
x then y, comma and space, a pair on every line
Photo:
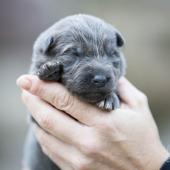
84, 54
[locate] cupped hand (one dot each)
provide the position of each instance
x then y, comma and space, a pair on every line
79, 136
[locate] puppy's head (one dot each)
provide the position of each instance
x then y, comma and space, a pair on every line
89, 51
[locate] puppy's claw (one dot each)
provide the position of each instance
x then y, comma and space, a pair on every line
110, 103
106, 105
101, 104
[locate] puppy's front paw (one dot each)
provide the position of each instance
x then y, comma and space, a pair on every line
110, 103
50, 71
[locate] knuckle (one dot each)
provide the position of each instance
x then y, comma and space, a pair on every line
37, 88
91, 148
64, 101
90, 145
82, 164
142, 98
54, 100
106, 127
46, 122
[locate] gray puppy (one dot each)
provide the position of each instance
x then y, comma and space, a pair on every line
84, 54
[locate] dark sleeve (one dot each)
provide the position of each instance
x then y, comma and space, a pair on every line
166, 165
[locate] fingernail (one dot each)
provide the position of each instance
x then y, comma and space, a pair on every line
24, 82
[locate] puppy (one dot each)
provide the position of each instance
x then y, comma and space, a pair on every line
84, 54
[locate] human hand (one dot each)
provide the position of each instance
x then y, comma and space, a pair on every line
78, 135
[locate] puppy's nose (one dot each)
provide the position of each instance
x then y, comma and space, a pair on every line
100, 80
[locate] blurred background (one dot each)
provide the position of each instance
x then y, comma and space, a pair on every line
145, 25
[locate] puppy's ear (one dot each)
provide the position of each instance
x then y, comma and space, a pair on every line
50, 44
44, 44
119, 39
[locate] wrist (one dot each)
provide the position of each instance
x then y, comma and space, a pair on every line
157, 157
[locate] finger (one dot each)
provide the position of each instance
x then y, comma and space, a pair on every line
58, 160
59, 97
52, 120
56, 149
129, 94
124, 106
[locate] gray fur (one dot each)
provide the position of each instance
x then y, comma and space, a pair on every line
84, 54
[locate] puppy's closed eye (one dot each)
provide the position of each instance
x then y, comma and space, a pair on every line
73, 51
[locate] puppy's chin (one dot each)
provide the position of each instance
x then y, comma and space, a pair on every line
87, 92
92, 97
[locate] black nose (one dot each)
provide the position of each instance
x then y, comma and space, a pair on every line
100, 80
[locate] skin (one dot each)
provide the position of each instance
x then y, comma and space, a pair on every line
79, 136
